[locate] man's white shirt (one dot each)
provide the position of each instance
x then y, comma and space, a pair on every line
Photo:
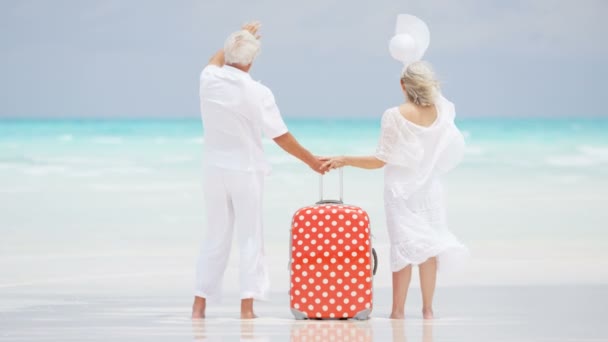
236, 111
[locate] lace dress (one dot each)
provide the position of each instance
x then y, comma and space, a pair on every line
416, 157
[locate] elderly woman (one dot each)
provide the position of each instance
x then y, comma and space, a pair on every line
419, 143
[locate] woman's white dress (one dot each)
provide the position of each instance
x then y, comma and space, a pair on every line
416, 157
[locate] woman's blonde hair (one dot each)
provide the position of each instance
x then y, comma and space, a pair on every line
420, 83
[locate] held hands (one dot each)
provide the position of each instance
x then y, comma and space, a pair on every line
318, 166
330, 163
253, 27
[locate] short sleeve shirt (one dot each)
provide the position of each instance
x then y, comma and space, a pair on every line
236, 112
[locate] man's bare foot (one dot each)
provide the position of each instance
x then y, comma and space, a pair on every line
248, 315
427, 313
198, 308
397, 315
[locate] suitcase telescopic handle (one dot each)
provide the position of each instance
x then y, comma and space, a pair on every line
327, 201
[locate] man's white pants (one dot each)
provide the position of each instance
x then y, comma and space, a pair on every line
233, 200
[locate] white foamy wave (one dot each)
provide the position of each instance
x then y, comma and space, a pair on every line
160, 140
571, 161
108, 140
127, 170
588, 156
65, 138
151, 187
474, 150
176, 159
197, 141
598, 152
9, 145
44, 170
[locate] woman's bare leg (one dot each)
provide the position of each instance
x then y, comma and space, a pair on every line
247, 309
401, 282
198, 308
428, 279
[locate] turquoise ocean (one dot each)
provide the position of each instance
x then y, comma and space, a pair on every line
112, 199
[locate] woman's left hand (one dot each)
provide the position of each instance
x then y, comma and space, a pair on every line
333, 162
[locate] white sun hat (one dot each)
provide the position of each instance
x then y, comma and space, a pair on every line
412, 38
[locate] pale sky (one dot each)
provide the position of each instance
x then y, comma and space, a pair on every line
321, 58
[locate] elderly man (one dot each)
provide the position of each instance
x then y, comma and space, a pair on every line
236, 111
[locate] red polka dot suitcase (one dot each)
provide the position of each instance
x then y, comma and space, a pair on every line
332, 261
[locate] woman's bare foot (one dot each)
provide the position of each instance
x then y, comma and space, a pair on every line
198, 308
427, 313
397, 315
248, 315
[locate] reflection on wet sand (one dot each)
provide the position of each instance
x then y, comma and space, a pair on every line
205, 330
399, 330
356, 331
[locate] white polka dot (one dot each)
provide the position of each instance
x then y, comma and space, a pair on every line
311, 280
347, 223
361, 273
307, 236
308, 211
319, 260
367, 267
301, 230
339, 294
346, 300
326, 254
361, 223
305, 260
325, 267
310, 294
299, 242
333, 247
361, 299
341, 217
314, 217
367, 305
347, 235
339, 308
303, 300
361, 248
332, 301
346, 287
297, 292
347, 211
339, 281
353, 307
368, 279
333, 235
355, 216
353, 280
332, 260
307, 224
327, 229
334, 223
311, 267
353, 294
297, 279
340, 229
332, 288
347, 261
325, 281
318, 274
339, 241
321, 211
320, 235
296, 306
313, 242
304, 286
301, 217
332, 274
354, 242
326, 241
361, 260
305, 248
319, 247
347, 274
354, 254
304, 274
347, 247
298, 267
321, 223
310, 307
340, 254
318, 301
340, 267
353, 267
334, 211
318, 314
318, 287
361, 236
298, 254
368, 292
332, 315
361, 286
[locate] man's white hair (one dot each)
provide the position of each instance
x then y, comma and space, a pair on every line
241, 48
